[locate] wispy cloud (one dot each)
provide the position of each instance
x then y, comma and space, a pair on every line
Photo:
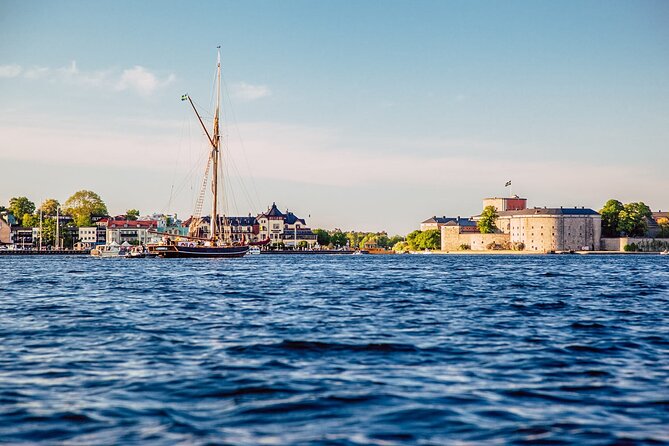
138, 79
249, 92
10, 70
142, 80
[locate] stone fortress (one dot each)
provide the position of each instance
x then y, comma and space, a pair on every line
529, 229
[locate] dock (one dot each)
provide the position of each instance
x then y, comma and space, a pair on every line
43, 252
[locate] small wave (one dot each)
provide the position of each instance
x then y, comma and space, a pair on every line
324, 347
587, 325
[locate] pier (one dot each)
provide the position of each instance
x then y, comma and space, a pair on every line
43, 252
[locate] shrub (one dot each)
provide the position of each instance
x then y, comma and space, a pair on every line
464, 247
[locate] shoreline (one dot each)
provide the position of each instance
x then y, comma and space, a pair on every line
521, 253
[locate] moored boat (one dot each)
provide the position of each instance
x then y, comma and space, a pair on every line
111, 250
194, 245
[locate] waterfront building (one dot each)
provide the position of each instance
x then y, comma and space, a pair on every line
284, 228
552, 229
273, 225
22, 237
240, 229
89, 236
534, 229
131, 231
437, 222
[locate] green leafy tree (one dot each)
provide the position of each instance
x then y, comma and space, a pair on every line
395, 239
30, 220
632, 219
611, 218
368, 240
430, 239
412, 241
401, 246
354, 238
322, 237
82, 205
20, 206
132, 214
49, 207
338, 239
48, 231
486, 223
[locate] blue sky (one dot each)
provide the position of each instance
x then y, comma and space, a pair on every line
365, 115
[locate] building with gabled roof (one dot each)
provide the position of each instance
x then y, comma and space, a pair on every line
286, 228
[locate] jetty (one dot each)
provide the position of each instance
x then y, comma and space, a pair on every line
43, 252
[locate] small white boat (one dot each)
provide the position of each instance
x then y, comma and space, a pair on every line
254, 250
665, 252
136, 252
111, 250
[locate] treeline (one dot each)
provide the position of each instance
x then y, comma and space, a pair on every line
629, 220
355, 239
420, 241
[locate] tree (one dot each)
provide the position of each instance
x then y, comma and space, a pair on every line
632, 219
430, 239
322, 237
49, 206
48, 231
401, 247
611, 217
395, 239
368, 239
338, 239
354, 239
30, 220
19, 206
486, 223
82, 205
132, 214
412, 241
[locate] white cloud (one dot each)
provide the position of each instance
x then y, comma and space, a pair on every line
37, 73
250, 92
137, 78
142, 80
10, 70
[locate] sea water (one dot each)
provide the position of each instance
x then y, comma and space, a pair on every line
335, 350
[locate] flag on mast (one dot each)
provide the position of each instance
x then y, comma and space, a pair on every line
508, 183
184, 97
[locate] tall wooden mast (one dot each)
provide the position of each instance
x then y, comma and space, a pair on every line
215, 152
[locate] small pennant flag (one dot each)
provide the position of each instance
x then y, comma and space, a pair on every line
184, 97
508, 183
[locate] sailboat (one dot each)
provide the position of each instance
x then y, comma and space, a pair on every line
195, 245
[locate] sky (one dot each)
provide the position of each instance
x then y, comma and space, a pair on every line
358, 115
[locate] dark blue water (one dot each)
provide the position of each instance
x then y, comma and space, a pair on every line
328, 350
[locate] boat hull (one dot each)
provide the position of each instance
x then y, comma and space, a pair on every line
175, 251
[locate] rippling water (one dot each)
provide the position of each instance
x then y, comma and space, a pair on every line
335, 350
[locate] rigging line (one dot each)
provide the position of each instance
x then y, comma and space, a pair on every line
190, 175
241, 141
185, 128
242, 186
